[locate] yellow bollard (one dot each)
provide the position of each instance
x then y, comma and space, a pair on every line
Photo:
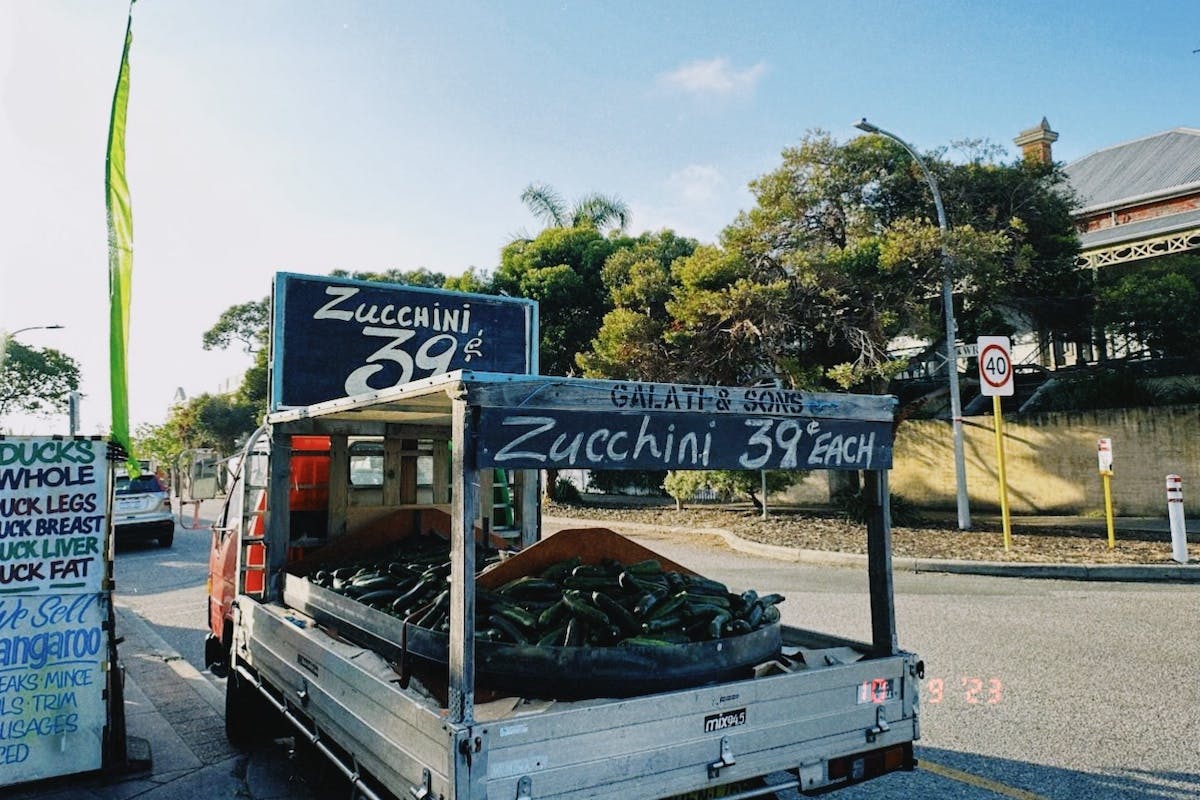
1104, 457
1106, 475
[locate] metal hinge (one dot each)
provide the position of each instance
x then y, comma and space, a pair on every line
881, 724
727, 759
525, 788
425, 790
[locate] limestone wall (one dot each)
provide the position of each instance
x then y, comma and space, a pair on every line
1051, 461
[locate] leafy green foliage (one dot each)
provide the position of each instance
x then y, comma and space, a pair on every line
683, 484
413, 277
561, 269
631, 342
838, 258
1157, 303
618, 481
728, 485
565, 491
245, 322
216, 421
1124, 386
35, 380
596, 211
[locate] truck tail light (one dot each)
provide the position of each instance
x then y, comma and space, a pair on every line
861, 766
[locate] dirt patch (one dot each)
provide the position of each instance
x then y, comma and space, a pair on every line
816, 530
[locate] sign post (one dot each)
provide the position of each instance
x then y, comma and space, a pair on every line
996, 381
1104, 456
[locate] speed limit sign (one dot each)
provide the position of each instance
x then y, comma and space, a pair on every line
995, 366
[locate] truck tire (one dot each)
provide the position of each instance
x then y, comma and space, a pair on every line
249, 719
167, 538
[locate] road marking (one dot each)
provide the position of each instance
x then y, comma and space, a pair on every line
977, 781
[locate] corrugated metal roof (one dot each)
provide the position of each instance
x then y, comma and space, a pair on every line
1136, 231
1161, 164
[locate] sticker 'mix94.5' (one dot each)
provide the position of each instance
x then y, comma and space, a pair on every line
726, 719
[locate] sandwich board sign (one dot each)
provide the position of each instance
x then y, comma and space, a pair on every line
995, 367
55, 557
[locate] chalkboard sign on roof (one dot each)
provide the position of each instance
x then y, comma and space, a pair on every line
334, 337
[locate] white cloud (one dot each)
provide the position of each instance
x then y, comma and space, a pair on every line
697, 183
714, 76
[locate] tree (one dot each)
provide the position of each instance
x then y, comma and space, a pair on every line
212, 421
1157, 303
728, 484
245, 322
561, 268
35, 380
838, 257
630, 343
594, 211
249, 324
414, 277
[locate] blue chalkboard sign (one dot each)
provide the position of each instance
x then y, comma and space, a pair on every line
554, 438
333, 337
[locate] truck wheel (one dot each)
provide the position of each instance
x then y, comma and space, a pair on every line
249, 718
167, 539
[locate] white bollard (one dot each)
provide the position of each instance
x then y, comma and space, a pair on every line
1175, 517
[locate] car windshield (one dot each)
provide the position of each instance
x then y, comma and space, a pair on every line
138, 485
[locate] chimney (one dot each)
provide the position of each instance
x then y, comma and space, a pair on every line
1035, 142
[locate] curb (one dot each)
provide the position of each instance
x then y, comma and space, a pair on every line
1133, 573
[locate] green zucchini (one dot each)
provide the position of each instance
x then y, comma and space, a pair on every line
580, 608
513, 632
617, 613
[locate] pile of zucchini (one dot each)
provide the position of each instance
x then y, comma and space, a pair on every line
569, 604
412, 577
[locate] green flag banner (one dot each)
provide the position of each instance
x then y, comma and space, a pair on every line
120, 254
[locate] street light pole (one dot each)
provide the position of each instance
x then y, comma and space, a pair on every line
34, 328
960, 464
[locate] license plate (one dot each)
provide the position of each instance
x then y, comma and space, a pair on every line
129, 505
714, 792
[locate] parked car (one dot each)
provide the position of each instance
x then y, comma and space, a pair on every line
142, 509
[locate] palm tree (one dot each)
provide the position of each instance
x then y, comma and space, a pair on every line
592, 211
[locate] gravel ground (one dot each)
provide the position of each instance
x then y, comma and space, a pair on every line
825, 530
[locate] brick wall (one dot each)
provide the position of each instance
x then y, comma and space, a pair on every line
1137, 213
1051, 461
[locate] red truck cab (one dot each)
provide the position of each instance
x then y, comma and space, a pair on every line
239, 530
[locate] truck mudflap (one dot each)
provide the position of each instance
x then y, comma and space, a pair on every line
822, 723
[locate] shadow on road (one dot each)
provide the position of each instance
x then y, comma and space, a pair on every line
1056, 782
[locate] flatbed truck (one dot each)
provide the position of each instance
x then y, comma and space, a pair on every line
826, 713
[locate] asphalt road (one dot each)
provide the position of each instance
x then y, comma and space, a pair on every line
1033, 688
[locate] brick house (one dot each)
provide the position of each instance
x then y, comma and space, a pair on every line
1138, 200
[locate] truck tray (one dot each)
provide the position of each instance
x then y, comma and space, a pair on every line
542, 672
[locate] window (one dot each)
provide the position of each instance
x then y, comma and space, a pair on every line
138, 485
366, 464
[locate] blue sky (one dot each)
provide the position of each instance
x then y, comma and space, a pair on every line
268, 135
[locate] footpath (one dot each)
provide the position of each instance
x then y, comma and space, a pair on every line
175, 715
177, 750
